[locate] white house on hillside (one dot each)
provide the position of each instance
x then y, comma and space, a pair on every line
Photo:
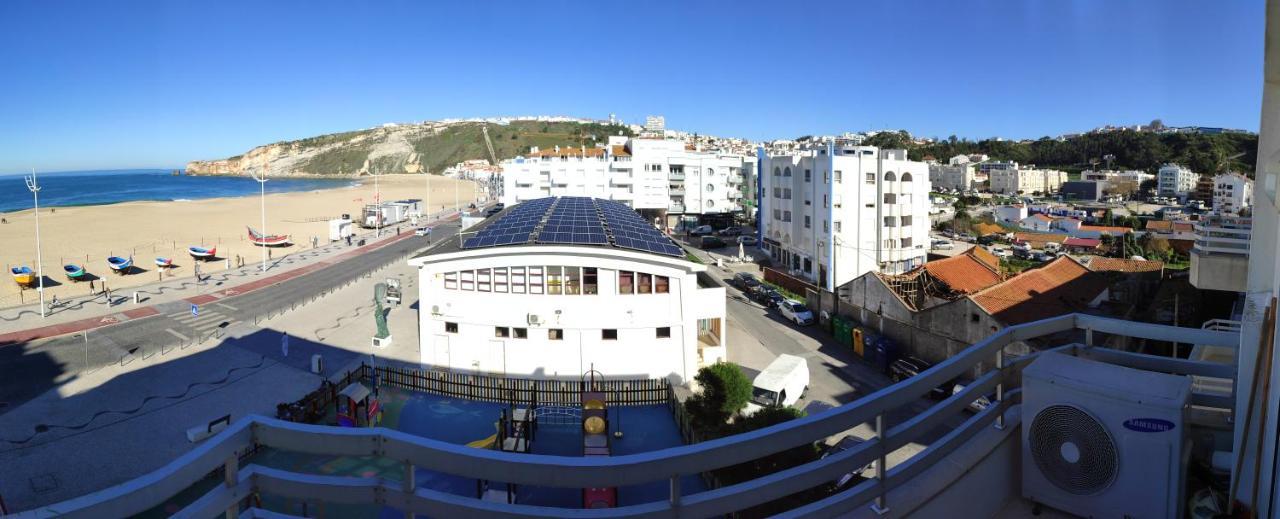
1175, 180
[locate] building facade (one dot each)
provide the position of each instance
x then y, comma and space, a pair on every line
1175, 180
1010, 179
1232, 193
962, 177
831, 213
556, 310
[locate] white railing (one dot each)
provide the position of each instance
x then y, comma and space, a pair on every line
412, 451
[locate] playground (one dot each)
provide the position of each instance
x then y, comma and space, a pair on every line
559, 432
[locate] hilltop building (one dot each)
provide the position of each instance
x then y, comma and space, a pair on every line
831, 213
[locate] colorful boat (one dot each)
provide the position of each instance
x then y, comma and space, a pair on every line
275, 240
119, 264
23, 275
74, 272
202, 253
164, 262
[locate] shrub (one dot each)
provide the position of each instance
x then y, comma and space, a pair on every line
725, 391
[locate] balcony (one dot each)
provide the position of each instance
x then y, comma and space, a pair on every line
970, 469
677, 176
675, 208
676, 191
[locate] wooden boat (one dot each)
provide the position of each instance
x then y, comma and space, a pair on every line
23, 275
119, 264
74, 272
164, 262
202, 253
275, 240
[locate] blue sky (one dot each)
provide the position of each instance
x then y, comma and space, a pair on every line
96, 85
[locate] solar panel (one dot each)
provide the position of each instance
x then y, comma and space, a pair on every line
573, 220
576, 221
629, 230
514, 227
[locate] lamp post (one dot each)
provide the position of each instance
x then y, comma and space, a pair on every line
262, 190
34, 186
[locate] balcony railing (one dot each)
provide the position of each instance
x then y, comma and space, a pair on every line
146, 492
675, 176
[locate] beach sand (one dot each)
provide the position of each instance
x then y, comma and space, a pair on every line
86, 235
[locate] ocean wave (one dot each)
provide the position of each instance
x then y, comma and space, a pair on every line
182, 200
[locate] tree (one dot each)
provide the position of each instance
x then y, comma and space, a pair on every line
725, 391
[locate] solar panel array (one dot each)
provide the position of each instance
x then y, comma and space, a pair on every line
576, 221
514, 227
573, 220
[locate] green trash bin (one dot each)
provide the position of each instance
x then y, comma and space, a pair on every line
843, 331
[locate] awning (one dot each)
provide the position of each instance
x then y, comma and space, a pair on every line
356, 391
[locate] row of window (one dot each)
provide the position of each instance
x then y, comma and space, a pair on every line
554, 279
904, 243
554, 334
889, 176
892, 221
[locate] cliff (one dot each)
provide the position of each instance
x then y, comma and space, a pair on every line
427, 147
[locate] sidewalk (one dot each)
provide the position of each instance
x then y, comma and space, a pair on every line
95, 311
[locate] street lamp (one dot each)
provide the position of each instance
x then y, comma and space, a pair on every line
34, 186
262, 189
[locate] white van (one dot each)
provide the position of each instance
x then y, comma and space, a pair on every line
781, 383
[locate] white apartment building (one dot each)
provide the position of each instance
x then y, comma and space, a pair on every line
1175, 180
832, 213
546, 303
961, 176
1132, 175
1010, 179
661, 178
1232, 193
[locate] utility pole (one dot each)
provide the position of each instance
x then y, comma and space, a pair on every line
377, 206
262, 188
34, 186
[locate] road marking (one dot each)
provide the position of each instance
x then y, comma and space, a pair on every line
227, 306
176, 334
109, 320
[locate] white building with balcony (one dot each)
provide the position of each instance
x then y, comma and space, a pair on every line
1232, 193
962, 177
1220, 256
1010, 179
661, 178
1175, 180
568, 292
832, 213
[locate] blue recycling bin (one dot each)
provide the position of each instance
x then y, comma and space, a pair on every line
886, 351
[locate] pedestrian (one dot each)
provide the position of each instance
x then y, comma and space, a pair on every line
90, 286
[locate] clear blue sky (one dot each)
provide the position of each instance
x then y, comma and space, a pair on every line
89, 85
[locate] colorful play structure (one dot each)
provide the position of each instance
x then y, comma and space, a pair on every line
595, 441
516, 426
358, 406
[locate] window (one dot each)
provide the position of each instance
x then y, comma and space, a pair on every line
451, 280
468, 280
450, 327
500, 280
807, 202
889, 176
521, 333
808, 265
839, 176
517, 280
906, 221
786, 216
906, 243
837, 225
806, 221
572, 281
890, 221
711, 187
483, 280
777, 172
609, 334
555, 334
653, 167
824, 201
501, 332
826, 176
973, 318
871, 178
535, 280
661, 284
807, 176
590, 281
644, 283
890, 198
777, 192
555, 280
777, 214
626, 282
786, 172
826, 226
786, 194
664, 332
906, 177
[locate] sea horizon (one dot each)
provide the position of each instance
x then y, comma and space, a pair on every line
106, 187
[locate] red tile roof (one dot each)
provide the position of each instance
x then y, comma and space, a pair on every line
1099, 264
1038, 240
1082, 242
1041, 217
964, 273
1159, 225
1060, 287
1105, 228
985, 256
1183, 226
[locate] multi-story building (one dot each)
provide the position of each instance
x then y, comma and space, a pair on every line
662, 179
830, 213
1131, 175
1232, 193
1175, 180
1010, 179
961, 176
1220, 256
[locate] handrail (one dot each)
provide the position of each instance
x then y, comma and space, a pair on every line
152, 489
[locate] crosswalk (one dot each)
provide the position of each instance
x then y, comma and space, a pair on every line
207, 321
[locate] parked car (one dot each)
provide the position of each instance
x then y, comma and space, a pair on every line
964, 236
749, 241
767, 296
796, 312
858, 475
978, 405
1021, 253
987, 239
943, 245
907, 367
701, 230
711, 242
746, 281
1000, 252
780, 384
422, 231
730, 231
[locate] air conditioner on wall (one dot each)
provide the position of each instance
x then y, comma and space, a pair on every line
1100, 440
534, 319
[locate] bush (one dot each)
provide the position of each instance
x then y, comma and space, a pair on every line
772, 463
725, 391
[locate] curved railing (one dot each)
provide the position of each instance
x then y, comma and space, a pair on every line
670, 464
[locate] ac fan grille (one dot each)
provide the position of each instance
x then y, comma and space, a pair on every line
1095, 467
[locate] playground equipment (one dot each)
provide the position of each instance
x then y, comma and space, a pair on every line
595, 441
517, 427
350, 401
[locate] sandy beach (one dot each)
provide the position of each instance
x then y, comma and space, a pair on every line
87, 235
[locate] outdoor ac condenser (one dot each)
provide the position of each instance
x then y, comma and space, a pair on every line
1101, 440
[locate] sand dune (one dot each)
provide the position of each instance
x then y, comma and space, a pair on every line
145, 230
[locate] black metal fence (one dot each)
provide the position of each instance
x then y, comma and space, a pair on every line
486, 388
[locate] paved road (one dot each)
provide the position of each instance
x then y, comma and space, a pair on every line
33, 368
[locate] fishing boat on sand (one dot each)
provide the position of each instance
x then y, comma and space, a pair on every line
164, 262
202, 253
120, 265
23, 275
275, 240
74, 272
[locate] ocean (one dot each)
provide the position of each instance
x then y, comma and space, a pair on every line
72, 188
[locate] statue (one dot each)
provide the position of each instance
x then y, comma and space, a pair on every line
380, 314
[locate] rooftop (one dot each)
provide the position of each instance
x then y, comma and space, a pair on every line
1100, 264
966, 273
1061, 287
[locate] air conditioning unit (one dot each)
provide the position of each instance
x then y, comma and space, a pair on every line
534, 319
435, 309
1100, 440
